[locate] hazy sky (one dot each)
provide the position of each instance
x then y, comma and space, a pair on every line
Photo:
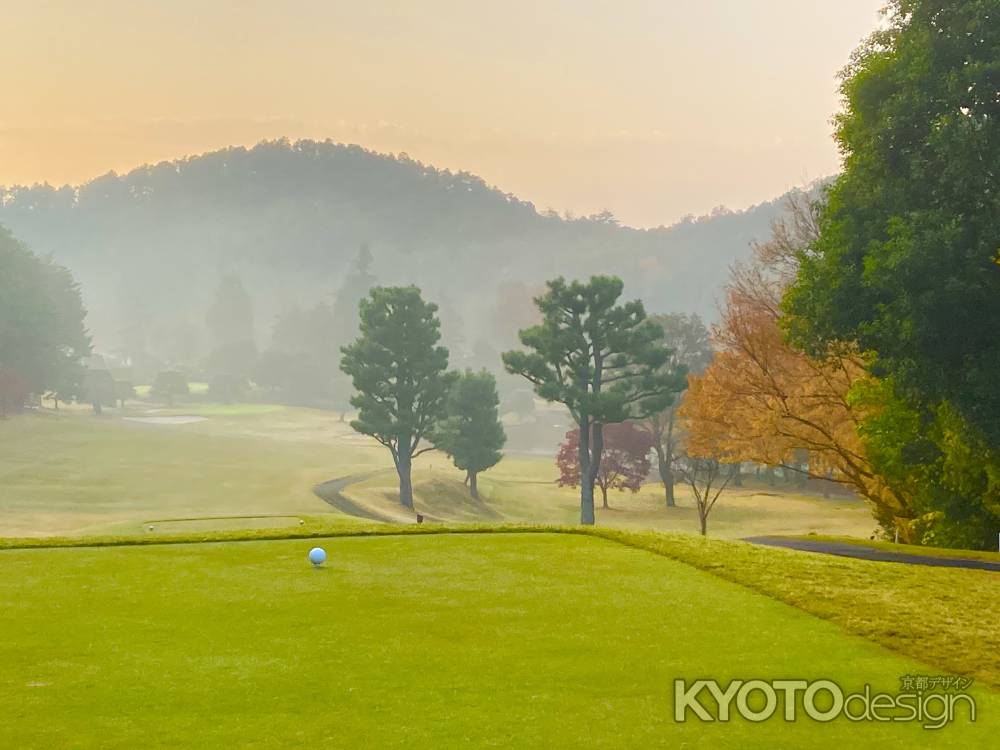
652, 108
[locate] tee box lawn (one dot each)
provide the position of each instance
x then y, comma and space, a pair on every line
422, 641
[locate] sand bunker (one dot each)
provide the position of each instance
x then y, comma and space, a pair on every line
166, 420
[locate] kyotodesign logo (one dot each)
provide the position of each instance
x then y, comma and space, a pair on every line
934, 702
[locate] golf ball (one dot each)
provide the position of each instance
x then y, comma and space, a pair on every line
317, 555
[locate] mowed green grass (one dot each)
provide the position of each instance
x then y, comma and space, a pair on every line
442, 641
73, 473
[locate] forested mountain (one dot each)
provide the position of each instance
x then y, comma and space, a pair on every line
150, 247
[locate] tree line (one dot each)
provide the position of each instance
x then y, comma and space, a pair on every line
149, 246
860, 343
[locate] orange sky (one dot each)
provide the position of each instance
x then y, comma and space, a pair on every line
651, 108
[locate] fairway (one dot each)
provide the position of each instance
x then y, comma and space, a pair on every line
455, 640
103, 475
108, 475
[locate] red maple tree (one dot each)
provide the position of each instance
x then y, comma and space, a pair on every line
624, 463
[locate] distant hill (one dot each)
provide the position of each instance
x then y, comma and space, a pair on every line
152, 244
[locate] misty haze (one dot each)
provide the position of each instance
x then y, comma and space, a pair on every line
533, 375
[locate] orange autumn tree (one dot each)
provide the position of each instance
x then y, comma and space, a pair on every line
762, 401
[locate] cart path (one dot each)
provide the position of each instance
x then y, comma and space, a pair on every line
332, 493
860, 552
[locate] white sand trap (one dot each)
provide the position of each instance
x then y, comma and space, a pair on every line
166, 420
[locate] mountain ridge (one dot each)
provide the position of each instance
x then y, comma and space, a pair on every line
289, 217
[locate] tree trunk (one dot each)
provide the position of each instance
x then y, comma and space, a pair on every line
604, 497
586, 504
343, 416
97, 407
667, 465
594, 451
666, 476
473, 485
703, 518
738, 475
403, 466
55, 403
586, 475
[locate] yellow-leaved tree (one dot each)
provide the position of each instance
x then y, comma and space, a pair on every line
762, 401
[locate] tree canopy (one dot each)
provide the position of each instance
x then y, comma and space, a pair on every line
231, 328
906, 263
99, 386
400, 375
471, 433
603, 360
168, 385
764, 401
43, 341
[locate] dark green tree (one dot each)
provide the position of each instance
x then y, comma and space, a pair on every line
604, 361
124, 390
230, 323
933, 459
400, 375
907, 260
169, 385
239, 358
520, 401
69, 386
43, 341
301, 365
270, 371
906, 263
471, 433
227, 387
99, 386
355, 286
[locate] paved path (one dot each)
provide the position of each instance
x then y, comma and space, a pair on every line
331, 492
861, 552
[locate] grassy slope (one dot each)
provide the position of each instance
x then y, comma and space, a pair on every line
949, 617
522, 490
429, 641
